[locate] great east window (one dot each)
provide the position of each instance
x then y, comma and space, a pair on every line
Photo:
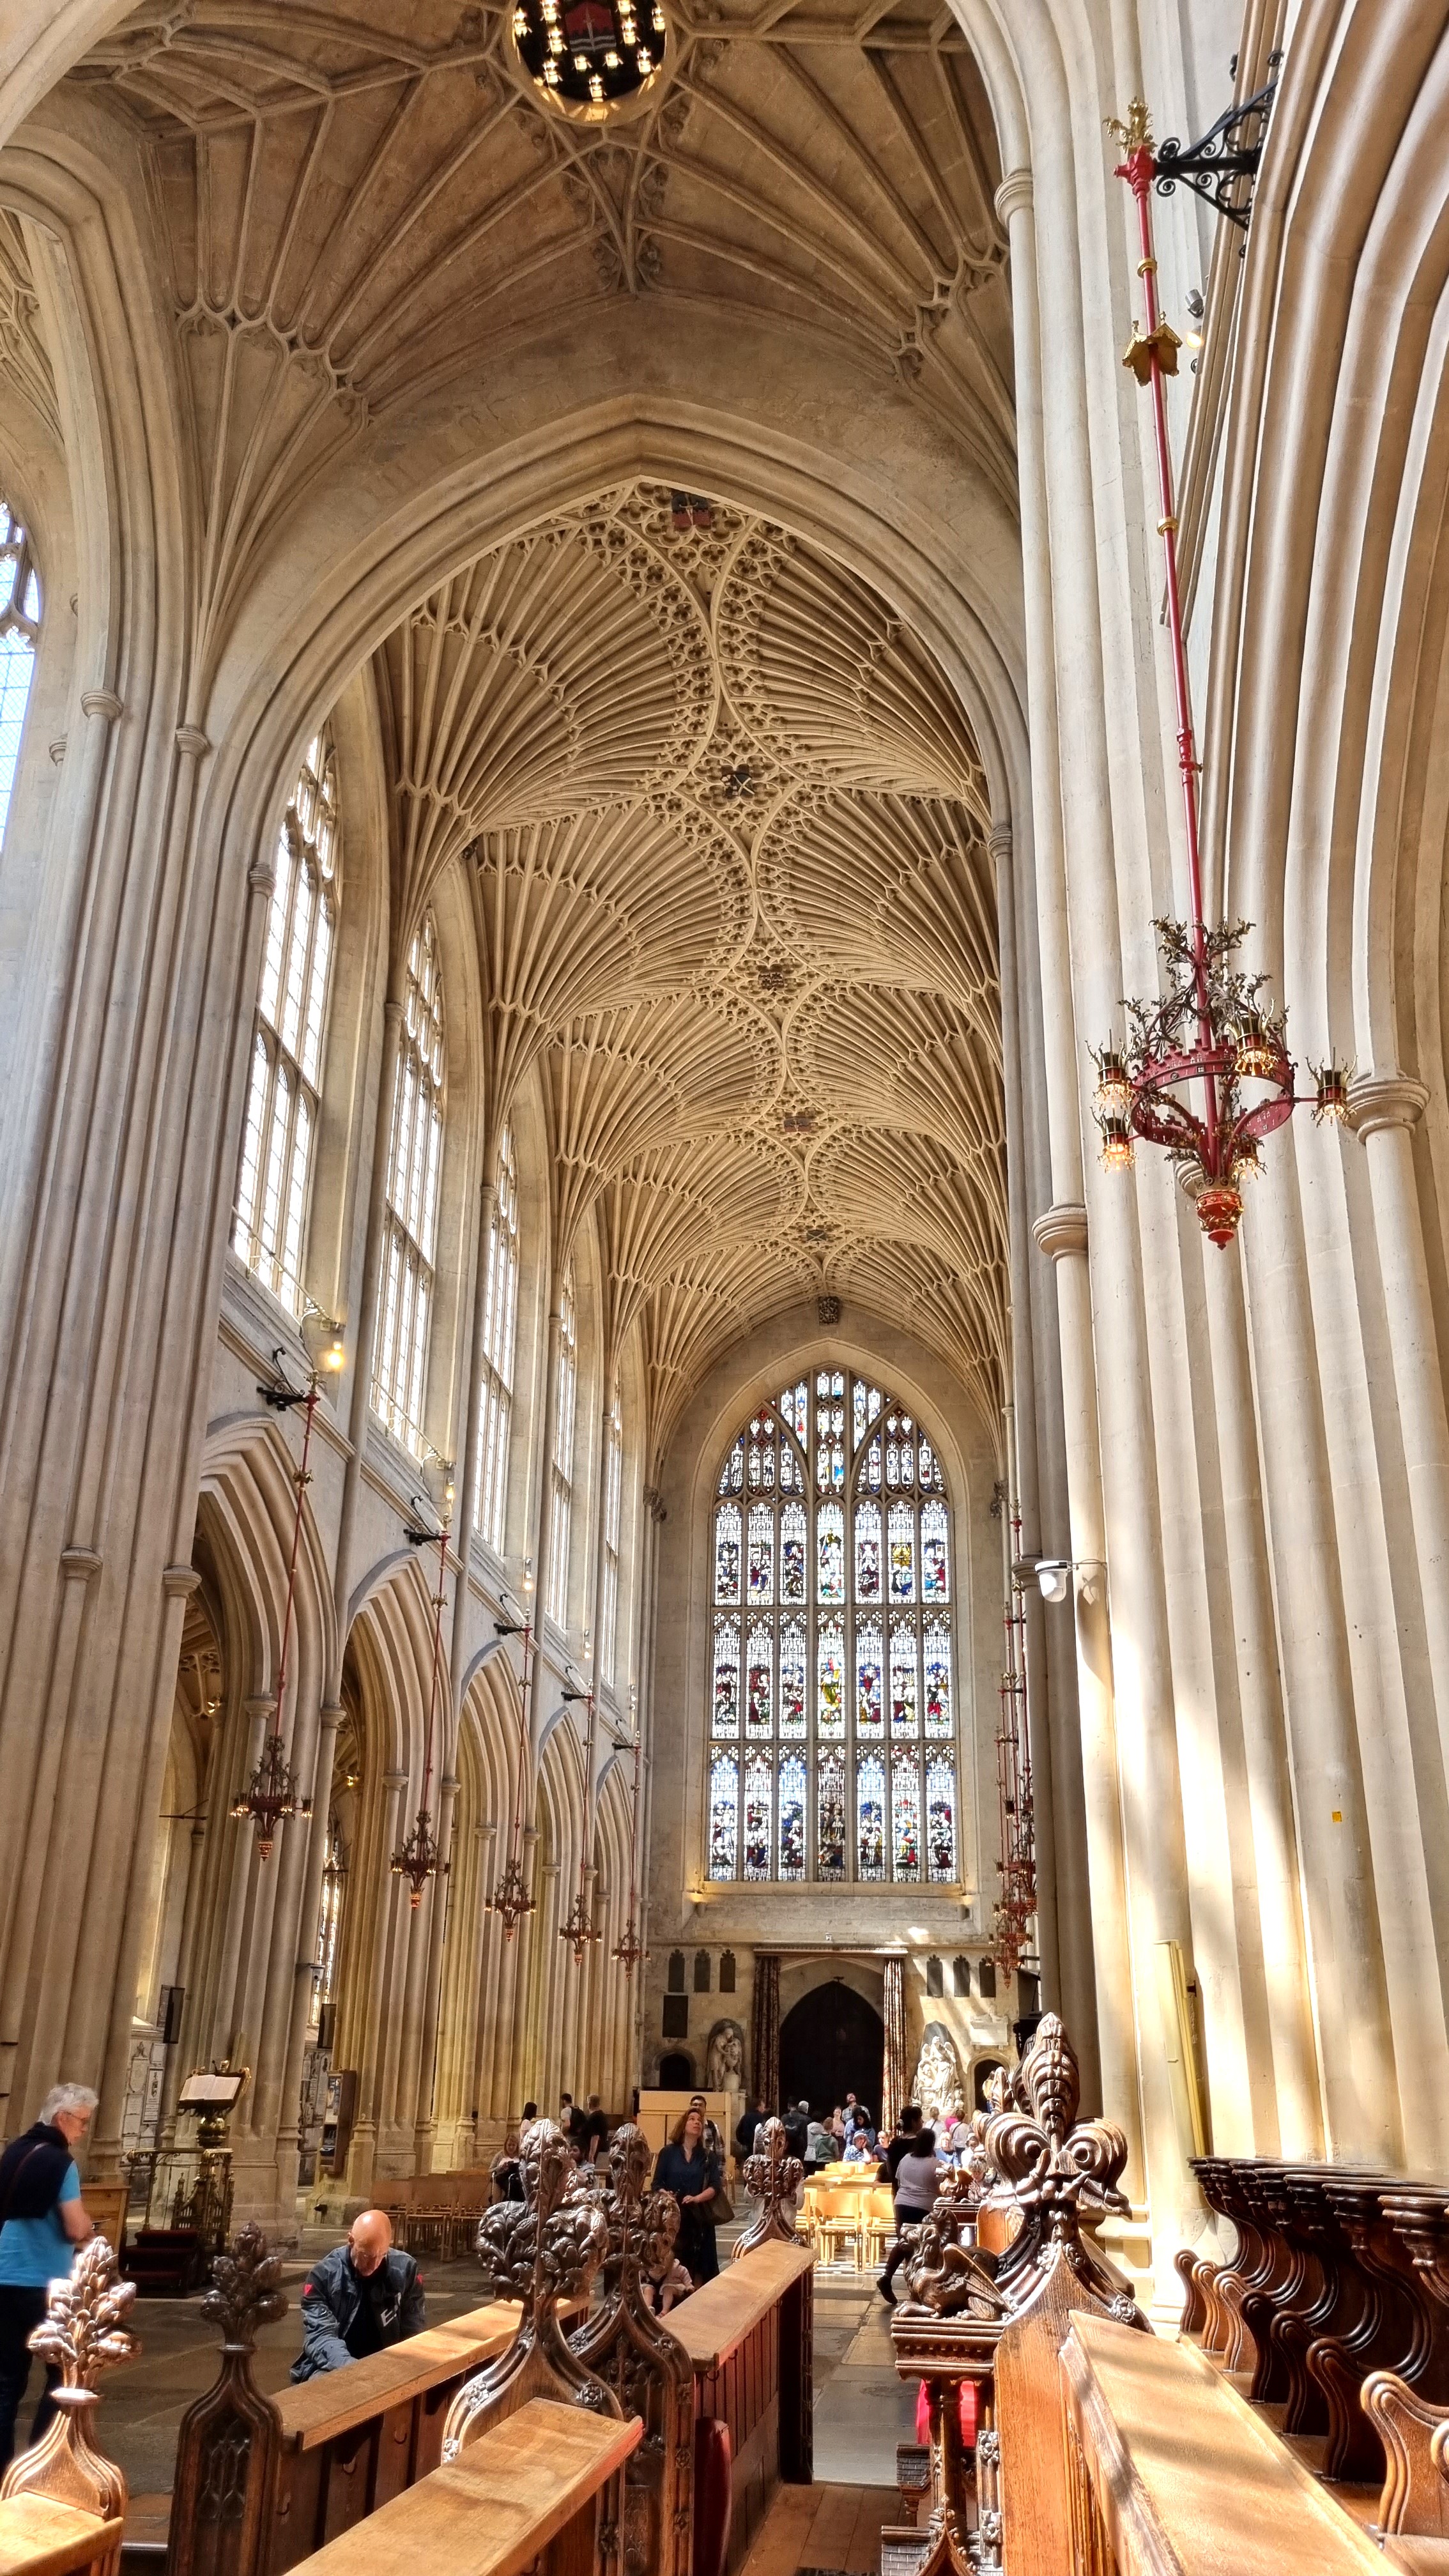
832, 1666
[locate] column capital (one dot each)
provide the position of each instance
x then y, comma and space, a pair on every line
102, 702
1014, 196
1390, 1099
179, 1581
999, 841
191, 742
1061, 1229
80, 1564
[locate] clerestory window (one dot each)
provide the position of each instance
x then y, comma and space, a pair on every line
19, 634
273, 1199
500, 1332
832, 1687
613, 1502
561, 1471
410, 1224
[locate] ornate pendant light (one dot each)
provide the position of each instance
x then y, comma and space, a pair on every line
510, 1899
420, 1857
577, 1928
629, 1949
272, 1793
591, 59
1213, 1026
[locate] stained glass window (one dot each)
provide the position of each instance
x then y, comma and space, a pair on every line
410, 1219
832, 1643
613, 1522
274, 1185
500, 1329
19, 633
561, 1504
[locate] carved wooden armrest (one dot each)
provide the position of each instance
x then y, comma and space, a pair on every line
1415, 2497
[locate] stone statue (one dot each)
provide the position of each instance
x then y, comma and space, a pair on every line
724, 2064
939, 2085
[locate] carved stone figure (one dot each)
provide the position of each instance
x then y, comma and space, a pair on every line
724, 2064
939, 2085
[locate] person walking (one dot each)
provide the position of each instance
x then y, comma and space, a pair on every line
914, 2177
746, 2126
684, 2168
819, 2147
42, 2220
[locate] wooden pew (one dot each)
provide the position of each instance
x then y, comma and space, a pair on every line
537, 2496
39, 2537
1170, 2467
749, 2336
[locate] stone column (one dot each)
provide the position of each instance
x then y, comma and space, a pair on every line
362, 2160
765, 2032
896, 2072
425, 2124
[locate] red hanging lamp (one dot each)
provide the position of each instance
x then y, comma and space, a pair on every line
629, 1949
1213, 1027
577, 1927
272, 1794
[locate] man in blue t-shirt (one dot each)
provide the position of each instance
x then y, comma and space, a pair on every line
42, 2220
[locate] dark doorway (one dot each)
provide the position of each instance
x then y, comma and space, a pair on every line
832, 2043
676, 2073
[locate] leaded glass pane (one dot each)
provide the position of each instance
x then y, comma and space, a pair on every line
867, 1552
732, 1474
938, 1681
941, 1817
724, 1794
869, 1719
759, 1692
905, 1816
792, 1552
727, 1553
726, 1719
903, 1679
830, 1552
792, 1818
830, 1817
758, 1806
903, 1552
935, 1577
870, 1818
762, 1554
792, 1679
830, 1681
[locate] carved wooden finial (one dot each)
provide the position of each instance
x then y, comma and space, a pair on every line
1052, 2167
543, 2252
634, 2353
773, 2178
83, 2334
246, 2290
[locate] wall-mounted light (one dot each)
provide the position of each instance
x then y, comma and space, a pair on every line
1054, 1575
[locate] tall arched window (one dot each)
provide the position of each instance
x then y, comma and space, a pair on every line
404, 1330
833, 1718
19, 629
500, 1328
613, 1503
561, 1491
274, 1188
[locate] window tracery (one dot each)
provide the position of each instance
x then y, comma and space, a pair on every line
275, 1183
19, 634
832, 1703
410, 1223
500, 1333
613, 1513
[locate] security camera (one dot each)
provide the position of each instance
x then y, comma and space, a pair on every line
1054, 1574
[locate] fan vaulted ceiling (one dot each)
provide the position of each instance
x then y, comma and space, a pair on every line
721, 820
724, 835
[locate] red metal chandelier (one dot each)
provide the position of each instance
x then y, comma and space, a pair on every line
510, 1899
420, 1857
1214, 1025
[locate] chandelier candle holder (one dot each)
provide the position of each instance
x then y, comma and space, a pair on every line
272, 1793
591, 59
510, 1899
1213, 1031
629, 1950
577, 1928
420, 1857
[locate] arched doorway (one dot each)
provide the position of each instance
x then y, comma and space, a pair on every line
676, 2072
832, 2043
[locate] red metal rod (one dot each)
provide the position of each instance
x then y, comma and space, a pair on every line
1139, 170
437, 1654
302, 1480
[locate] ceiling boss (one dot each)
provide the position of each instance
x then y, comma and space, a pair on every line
591, 59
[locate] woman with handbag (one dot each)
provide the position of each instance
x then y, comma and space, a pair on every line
686, 2168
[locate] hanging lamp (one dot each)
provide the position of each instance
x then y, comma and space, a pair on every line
420, 1858
629, 1949
272, 1794
590, 60
1213, 1027
577, 1928
510, 1899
